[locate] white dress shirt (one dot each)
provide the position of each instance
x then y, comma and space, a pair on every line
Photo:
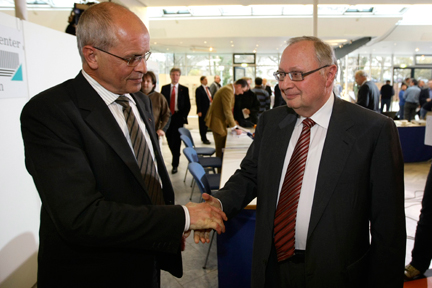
117, 111
317, 139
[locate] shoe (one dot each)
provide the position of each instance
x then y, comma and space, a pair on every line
411, 272
206, 142
174, 170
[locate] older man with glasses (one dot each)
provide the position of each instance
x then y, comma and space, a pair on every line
108, 217
327, 214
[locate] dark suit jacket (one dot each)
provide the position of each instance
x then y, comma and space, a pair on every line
202, 101
183, 101
424, 95
359, 181
368, 96
98, 227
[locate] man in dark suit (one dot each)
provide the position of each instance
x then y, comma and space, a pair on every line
178, 98
425, 100
368, 94
203, 100
105, 221
347, 223
387, 92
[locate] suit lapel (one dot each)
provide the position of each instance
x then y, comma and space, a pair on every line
336, 150
98, 116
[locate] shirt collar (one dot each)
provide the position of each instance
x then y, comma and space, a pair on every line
107, 96
322, 116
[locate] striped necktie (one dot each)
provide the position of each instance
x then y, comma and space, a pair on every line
286, 212
142, 153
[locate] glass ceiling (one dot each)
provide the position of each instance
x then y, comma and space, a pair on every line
274, 10
236, 10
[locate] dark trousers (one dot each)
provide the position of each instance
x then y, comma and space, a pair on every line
202, 128
387, 103
290, 273
422, 250
173, 138
410, 110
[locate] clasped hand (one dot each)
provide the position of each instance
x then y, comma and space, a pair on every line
204, 217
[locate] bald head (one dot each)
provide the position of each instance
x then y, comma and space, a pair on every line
102, 24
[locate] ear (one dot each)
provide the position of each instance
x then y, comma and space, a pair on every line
331, 75
90, 56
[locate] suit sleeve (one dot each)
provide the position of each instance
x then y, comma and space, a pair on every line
198, 100
69, 185
387, 214
227, 108
363, 96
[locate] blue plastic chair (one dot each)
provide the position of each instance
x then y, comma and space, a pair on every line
201, 178
207, 162
202, 151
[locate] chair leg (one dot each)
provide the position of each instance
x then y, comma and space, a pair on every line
208, 252
193, 187
184, 180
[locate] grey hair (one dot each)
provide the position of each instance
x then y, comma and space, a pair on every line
361, 73
96, 27
324, 53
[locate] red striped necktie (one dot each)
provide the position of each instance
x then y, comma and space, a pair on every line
286, 212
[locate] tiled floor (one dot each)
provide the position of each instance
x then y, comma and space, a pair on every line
194, 254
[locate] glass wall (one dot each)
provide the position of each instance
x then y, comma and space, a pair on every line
379, 68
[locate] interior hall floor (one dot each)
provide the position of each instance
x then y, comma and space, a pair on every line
194, 255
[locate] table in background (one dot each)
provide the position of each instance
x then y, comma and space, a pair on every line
234, 247
412, 142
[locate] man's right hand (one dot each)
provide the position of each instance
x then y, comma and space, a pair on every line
204, 234
205, 216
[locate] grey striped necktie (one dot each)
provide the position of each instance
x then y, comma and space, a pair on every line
142, 153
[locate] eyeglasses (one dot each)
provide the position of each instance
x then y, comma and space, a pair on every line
131, 62
295, 75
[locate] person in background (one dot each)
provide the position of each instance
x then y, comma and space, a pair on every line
401, 101
387, 93
203, 100
220, 116
267, 87
160, 108
368, 93
425, 100
177, 97
412, 100
246, 106
327, 214
278, 101
421, 254
215, 86
108, 217
262, 95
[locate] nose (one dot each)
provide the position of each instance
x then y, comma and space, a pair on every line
286, 83
141, 67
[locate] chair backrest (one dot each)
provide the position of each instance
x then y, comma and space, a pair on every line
186, 140
190, 154
200, 177
186, 132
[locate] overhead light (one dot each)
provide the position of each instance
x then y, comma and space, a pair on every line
254, 51
155, 43
417, 49
205, 42
232, 45
211, 49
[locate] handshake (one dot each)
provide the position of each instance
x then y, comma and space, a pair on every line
204, 217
